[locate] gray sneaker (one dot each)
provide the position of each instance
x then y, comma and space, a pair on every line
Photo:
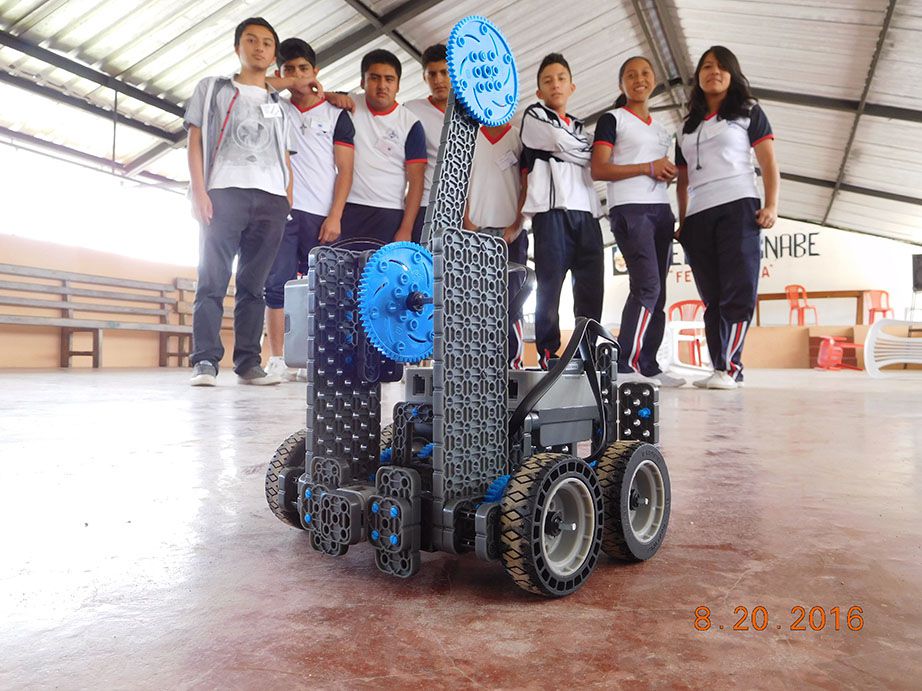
204, 373
257, 376
637, 378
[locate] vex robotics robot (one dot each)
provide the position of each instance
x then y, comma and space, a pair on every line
479, 458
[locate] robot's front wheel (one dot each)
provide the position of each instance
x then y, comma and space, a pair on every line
551, 524
286, 466
635, 483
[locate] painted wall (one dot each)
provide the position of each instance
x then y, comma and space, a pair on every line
40, 346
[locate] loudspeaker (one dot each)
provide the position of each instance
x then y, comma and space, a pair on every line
917, 273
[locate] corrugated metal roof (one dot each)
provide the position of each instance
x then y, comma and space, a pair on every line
812, 56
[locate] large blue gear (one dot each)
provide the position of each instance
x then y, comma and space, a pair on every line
482, 71
395, 274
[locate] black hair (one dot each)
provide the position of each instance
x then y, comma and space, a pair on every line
736, 103
254, 21
621, 101
381, 57
294, 48
436, 53
553, 59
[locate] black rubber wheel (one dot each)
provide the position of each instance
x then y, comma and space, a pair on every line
551, 524
287, 461
635, 483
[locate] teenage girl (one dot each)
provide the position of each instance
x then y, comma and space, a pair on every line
630, 153
720, 214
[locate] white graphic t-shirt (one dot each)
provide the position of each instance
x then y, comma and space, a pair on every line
247, 155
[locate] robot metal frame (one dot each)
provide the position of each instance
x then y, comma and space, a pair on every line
479, 458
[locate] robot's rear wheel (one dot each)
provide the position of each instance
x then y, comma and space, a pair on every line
635, 482
286, 466
551, 524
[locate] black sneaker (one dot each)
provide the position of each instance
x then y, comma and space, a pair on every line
257, 376
204, 373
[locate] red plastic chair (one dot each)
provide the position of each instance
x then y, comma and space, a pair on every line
797, 301
832, 352
690, 311
879, 301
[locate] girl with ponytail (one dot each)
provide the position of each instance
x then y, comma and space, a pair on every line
630, 154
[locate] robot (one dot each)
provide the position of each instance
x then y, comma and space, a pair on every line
479, 458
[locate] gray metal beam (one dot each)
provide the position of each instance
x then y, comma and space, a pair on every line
392, 34
65, 153
861, 105
54, 94
385, 25
661, 67
85, 72
675, 42
855, 189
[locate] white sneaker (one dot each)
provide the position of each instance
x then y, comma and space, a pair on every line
278, 368
301, 375
668, 381
718, 380
637, 378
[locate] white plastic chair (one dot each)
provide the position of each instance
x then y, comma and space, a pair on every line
882, 349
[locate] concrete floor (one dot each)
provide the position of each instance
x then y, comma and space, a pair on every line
138, 551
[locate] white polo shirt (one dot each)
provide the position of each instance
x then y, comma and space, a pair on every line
432, 118
384, 144
317, 130
631, 140
493, 194
719, 158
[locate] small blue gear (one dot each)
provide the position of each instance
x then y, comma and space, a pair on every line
482, 71
496, 489
395, 301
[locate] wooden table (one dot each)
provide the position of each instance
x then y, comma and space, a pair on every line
858, 295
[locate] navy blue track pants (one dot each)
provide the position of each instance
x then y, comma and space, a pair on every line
566, 241
723, 246
644, 234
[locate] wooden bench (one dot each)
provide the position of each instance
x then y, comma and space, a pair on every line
135, 305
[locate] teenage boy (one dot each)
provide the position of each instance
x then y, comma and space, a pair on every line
556, 152
241, 194
390, 159
322, 169
431, 114
494, 205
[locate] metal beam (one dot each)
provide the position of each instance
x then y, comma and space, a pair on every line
392, 34
81, 158
675, 42
855, 189
661, 68
134, 166
54, 94
86, 72
386, 24
861, 105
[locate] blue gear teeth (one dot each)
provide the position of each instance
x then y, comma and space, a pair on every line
395, 301
482, 71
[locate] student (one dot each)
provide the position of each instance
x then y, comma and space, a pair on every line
563, 205
322, 171
241, 194
630, 153
390, 159
720, 214
431, 114
494, 205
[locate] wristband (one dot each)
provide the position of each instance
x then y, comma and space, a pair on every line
652, 173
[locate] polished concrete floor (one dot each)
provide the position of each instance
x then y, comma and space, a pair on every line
138, 552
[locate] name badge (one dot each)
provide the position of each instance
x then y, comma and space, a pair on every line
270, 110
507, 160
385, 145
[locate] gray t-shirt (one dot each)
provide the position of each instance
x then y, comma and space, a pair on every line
250, 151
